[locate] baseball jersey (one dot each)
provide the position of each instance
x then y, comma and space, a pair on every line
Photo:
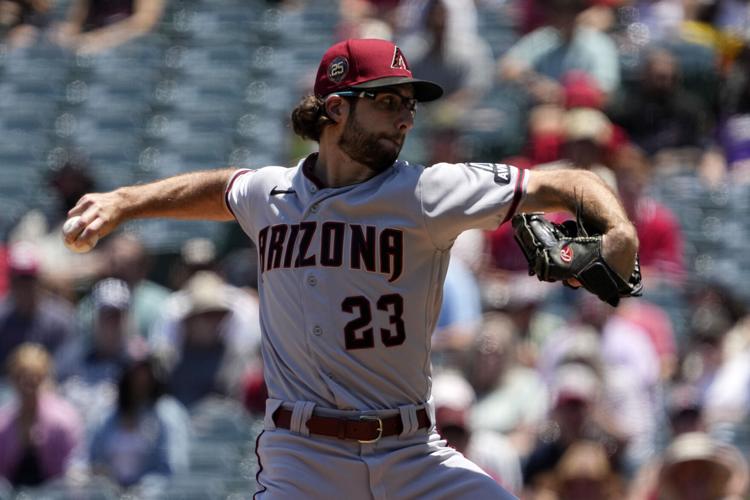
350, 278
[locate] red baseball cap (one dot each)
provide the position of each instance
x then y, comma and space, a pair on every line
356, 64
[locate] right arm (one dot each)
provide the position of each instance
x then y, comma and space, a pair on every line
196, 195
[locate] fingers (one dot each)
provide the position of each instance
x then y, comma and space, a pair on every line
92, 231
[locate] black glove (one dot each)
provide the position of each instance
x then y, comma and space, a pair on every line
559, 252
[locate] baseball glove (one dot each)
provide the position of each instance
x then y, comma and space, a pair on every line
559, 252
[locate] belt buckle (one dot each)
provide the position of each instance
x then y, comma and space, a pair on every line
380, 429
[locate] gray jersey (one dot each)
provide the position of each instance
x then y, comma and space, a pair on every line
350, 278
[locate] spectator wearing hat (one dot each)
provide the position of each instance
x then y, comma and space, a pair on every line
99, 355
91, 363
207, 339
490, 450
127, 259
585, 471
39, 431
28, 313
576, 414
696, 467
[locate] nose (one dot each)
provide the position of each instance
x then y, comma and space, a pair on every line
405, 120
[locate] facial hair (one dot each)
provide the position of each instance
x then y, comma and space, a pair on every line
363, 147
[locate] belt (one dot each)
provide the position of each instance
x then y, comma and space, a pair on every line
365, 429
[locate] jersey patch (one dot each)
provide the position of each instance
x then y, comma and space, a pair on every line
338, 69
500, 171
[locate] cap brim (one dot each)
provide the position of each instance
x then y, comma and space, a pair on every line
424, 91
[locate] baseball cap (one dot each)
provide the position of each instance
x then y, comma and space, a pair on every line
111, 293
368, 63
23, 259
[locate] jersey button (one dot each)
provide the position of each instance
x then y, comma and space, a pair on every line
313, 189
317, 331
312, 280
314, 208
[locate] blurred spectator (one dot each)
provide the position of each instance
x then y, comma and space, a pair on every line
39, 431
62, 269
715, 310
684, 410
575, 416
196, 254
587, 134
511, 399
28, 313
207, 338
734, 125
98, 25
21, 21
657, 112
128, 260
584, 471
100, 355
659, 233
461, 17
136, 439
697, 467
540, 59
460, 62
490, 450
460, 313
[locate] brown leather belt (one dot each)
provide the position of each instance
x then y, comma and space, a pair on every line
365, 429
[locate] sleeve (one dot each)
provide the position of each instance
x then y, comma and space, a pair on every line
238, 197
457, 197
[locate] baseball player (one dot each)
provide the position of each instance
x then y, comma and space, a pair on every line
353, 248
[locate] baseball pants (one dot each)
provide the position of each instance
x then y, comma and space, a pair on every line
416, 464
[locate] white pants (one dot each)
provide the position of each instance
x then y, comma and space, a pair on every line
414, 465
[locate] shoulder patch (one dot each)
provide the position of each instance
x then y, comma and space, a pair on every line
500, 171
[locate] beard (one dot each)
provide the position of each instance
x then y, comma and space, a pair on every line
364, 147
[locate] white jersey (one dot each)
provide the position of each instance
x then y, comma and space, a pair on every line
350, 278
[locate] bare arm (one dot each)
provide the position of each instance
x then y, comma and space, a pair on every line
197, 195
564, 189
146, 14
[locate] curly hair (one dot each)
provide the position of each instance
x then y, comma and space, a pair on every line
309, 118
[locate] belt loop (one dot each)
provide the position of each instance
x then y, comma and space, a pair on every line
272, 405
300, 415
408, 421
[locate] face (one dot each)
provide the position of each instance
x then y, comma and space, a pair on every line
376, 128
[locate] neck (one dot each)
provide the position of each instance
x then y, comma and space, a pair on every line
334, 168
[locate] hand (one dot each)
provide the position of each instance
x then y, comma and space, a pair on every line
100, 214
619, 247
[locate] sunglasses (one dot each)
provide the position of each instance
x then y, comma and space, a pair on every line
389, 100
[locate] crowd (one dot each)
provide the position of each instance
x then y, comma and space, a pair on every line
105, 357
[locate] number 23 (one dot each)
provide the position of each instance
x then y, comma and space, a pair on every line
358, 334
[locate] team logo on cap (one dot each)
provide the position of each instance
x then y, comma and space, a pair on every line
399, 61
338, 69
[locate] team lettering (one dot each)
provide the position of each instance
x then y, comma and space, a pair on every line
285, 246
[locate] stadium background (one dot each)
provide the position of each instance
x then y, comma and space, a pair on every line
212, 85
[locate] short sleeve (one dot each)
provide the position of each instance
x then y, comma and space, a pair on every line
461, 196
238, 196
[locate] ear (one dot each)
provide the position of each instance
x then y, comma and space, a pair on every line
336, 108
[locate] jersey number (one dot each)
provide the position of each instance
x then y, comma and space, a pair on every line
358, 334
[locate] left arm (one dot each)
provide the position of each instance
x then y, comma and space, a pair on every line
566, 189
